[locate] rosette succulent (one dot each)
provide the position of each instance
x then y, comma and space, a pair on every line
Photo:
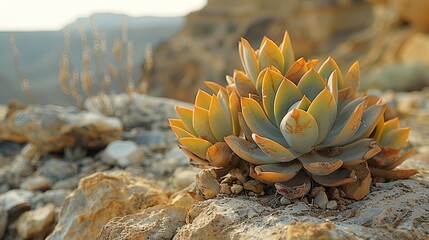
201, 130
294, 123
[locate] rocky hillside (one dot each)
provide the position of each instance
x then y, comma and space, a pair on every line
206, 47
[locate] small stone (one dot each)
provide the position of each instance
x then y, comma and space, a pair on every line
3, 221
254, 186
155, 140
16, 202
305, 200
236, 188
37, 183
285, 201
68, 183
321, 200
123, 154
342, 193
316, 190
184, 178
177, 156
4, 188
225, 188
332, 205
36, 223
58, 169
207, 183
236, 173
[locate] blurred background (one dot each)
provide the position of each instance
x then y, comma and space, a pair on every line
61, 53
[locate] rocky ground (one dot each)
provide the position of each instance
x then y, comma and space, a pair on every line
136, 186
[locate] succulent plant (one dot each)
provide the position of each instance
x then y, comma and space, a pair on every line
293, 123
201, 130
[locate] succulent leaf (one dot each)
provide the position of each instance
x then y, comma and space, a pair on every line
249, 59
201, 124
353, 77
248, 151
274, 150
297, 70
219, 155
243, 84
180, 132
333, 85
258, 122
270, 84
295, 188
203, 99
287, 52
396, 138
311, 84
277, 172
186, 115
302, 104
197, 146
337, 178
219, 121
287, 94
270, 55
319, 165
328, 67
324, 110
234, 106
300, 130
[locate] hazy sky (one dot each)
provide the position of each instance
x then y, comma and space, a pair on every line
54, 14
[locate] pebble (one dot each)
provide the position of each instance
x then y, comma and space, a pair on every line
3, 221
236, 188
316, 190
36, 183
58, 169
4, 188
36, 223
176, 155
55, 197
16, 202
321, 200
254, 186
225, 188
332, 205
123, 154
155, 140
68, 183
285, 201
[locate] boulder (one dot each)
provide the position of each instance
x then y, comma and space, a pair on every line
52, 128
101, 197
158, 222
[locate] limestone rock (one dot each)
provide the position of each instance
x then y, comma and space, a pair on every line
321, 200
413, 11
396, 210
159, 222
207, 183
123, 154
3, 221
36, 224
36, 183
99, 198
57, 169
52, 128
16, 201
361, 187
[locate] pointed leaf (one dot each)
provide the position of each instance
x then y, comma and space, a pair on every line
392, 175
278, 172
333, 85
260, 80
234, 106
396, 139
297, 70
328, 67
270, 84
243, 85
353, 77
203, 99
243, 126
274, 150
389, 126
324, 110
215, 87
287, 94
176, 122
193, 157
302, 104
287, 52
219, 121
270, 55
258, 121
180, 132
197, 146
248, 151
201, 124
249, 59
300, 130
311, 84
185, 115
